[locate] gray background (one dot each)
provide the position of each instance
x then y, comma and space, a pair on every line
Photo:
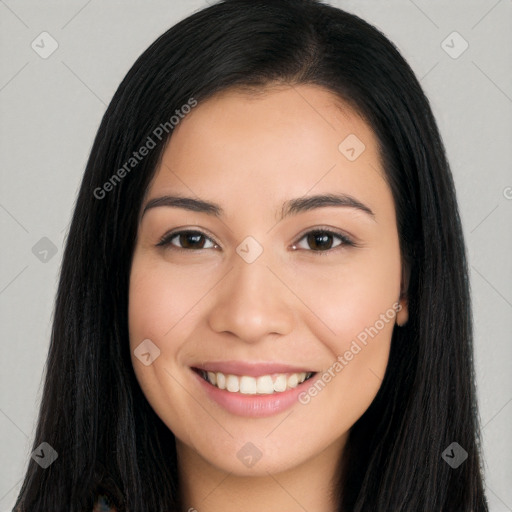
51, 108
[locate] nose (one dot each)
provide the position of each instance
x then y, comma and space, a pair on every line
251, 303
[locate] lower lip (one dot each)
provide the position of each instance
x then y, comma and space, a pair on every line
253, 406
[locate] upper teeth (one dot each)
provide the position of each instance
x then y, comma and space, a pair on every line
263, 385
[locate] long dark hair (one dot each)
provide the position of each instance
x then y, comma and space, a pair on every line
93, 412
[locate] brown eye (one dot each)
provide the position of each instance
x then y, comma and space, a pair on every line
324, 240
319, 241
187, 240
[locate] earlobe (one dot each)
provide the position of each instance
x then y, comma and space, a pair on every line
402, 311
403, 304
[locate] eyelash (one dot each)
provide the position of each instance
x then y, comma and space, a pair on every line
165, 241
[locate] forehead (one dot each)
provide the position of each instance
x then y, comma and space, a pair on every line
271, 143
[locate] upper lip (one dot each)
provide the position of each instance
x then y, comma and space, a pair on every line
250, 369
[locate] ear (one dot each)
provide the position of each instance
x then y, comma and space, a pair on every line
403, 310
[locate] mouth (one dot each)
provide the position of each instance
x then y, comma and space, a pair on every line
252, 389
269, 384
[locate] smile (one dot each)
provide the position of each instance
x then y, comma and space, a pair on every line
254, 390
262, 385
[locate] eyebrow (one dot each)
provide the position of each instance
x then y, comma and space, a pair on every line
290, 207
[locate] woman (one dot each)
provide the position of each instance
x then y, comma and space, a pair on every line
263, 302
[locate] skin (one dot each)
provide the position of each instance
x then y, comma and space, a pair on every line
250, 154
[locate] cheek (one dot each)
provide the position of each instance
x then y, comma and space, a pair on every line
357, 308
154, 310
160, 304
160, 297
350, 299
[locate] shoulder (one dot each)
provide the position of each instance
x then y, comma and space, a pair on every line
102, 504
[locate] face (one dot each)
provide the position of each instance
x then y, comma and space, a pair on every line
283, 262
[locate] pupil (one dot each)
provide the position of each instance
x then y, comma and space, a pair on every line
315, 240
187, 237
